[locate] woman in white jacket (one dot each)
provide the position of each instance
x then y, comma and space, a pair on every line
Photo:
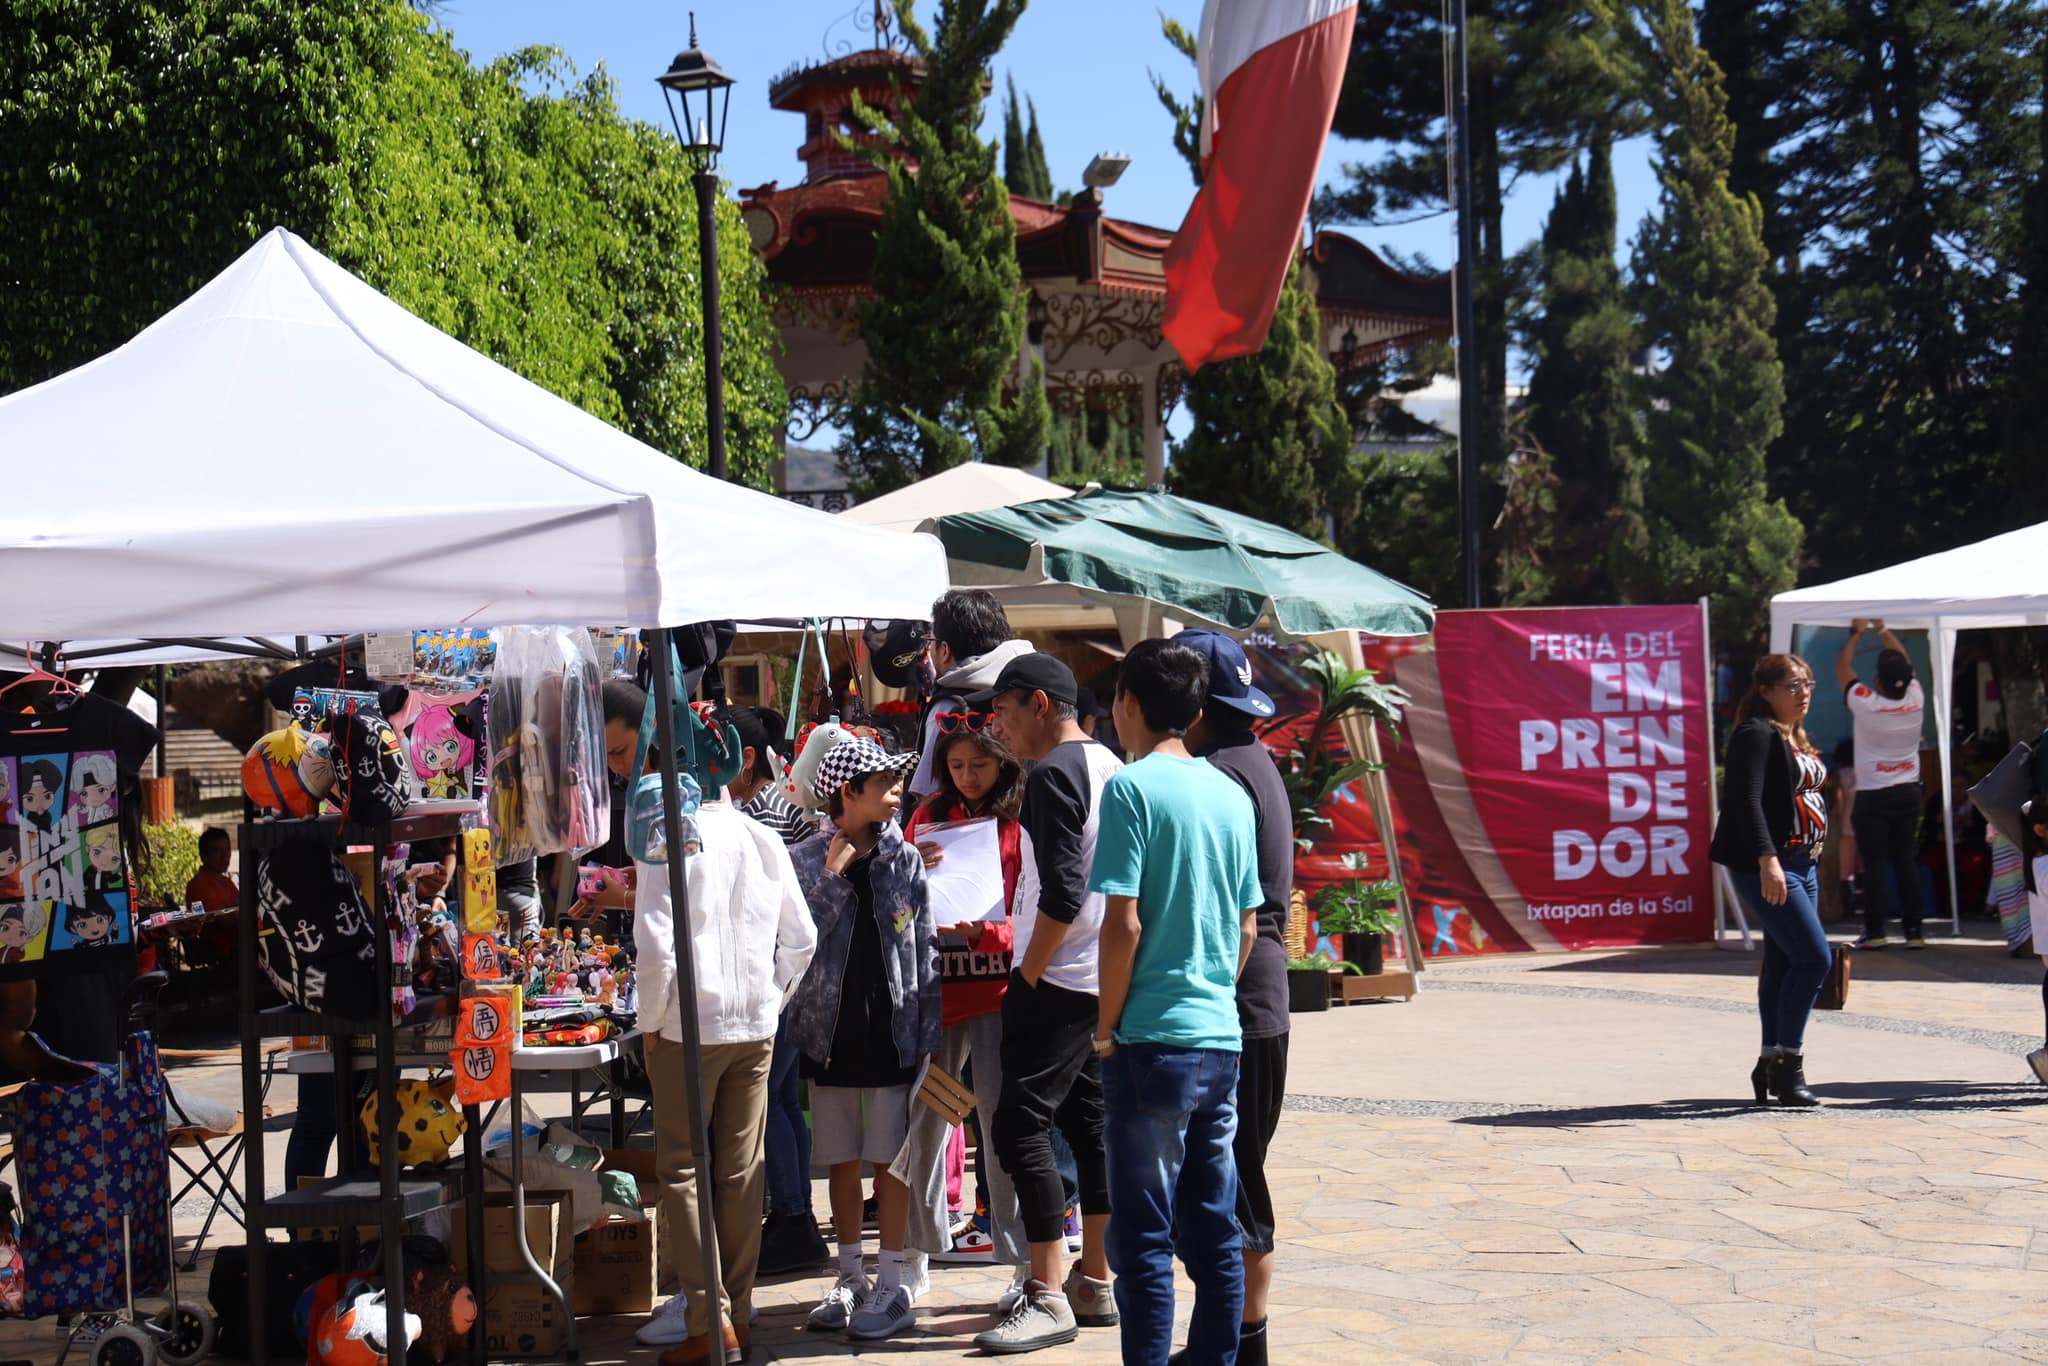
752, 938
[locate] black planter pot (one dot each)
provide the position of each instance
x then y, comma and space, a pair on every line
1368, 951
1308, 989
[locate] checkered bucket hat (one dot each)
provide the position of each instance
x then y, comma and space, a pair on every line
852, 757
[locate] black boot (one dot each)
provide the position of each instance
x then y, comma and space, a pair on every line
790, 1242
1760, 1081
1788, 1080
1251, 1344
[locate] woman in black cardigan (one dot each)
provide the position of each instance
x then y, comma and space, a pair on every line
1774, 820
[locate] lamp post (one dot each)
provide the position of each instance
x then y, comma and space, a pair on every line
699, 95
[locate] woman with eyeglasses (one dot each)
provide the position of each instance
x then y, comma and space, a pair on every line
1774, 820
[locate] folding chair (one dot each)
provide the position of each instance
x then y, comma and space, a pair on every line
215, 1153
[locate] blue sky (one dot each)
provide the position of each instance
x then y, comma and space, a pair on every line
1085, 62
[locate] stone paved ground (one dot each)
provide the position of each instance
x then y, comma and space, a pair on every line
1549, 1161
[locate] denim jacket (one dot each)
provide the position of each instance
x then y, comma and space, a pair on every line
910, 948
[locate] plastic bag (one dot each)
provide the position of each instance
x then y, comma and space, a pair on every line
549, 792
498, 1138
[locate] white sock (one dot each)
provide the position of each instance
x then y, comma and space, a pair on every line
849, 1260
889, 1276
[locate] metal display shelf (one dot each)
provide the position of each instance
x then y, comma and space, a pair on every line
350, 1201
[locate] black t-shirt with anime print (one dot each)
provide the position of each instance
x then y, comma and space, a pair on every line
67, 900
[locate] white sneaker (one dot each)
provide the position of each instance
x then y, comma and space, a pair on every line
836, 1310
668, 1325
917, 1275
2038, 1060
883, 1314
1011, 1297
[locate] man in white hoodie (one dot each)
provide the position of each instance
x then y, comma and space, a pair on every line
752, 937
970, 645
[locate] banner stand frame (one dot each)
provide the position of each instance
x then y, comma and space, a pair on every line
1724, 901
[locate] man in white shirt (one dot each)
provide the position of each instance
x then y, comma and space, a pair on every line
752, 938
1886, 813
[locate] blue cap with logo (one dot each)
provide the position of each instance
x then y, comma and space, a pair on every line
1230, 672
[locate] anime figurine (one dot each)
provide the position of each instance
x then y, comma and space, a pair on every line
607, 984
441, 754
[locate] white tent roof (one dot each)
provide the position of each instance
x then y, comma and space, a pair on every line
973, 487
2002, 581
288, 451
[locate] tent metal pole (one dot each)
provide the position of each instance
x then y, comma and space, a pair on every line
666, 739
1942, 639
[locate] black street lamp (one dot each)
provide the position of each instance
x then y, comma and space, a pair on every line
699, 96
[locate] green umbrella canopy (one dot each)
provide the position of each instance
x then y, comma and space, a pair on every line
1194, 560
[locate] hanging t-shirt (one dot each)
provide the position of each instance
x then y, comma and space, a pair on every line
1887, 735
66, 865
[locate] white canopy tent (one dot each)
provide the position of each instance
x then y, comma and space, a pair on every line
973, 487
289, 451
1995, 583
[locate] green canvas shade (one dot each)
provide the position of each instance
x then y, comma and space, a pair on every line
1198, 562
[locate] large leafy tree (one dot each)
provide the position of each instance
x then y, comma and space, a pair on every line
1890, 144
2026, 412
945, 329
1545, 75
1580, 408
1700, 518
143, 148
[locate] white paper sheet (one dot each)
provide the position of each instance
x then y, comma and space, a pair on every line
968, 883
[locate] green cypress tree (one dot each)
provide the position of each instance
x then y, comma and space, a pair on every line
1579, 401
1269, 438
945, 329
1016, 155
1701, 517
2026, 413
1041, 173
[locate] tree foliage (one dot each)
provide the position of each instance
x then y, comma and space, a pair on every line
1545, 76
143, 148
2026, 389
1580, 407
945, 329
1701, 520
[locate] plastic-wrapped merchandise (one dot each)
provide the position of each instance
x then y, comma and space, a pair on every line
548, 789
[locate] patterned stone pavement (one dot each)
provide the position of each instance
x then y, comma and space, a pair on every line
1551, 1161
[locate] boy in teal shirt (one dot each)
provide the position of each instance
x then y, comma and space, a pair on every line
1177, 860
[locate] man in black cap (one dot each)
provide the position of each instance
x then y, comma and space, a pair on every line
1886, 813
1050, 1072
1224, 737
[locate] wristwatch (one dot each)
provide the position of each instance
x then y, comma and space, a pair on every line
1104, 1047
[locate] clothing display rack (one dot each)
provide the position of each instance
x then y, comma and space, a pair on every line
347, 1202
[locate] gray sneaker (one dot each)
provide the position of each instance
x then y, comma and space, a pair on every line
1015, 1292
2038, 1060
1093, 1301
1042, 1318
882, 1315
835, 1311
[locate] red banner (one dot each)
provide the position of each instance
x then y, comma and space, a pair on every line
1554, 779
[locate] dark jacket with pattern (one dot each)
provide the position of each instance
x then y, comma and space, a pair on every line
910, 947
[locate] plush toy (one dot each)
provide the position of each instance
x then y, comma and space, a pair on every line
429, 1121
358, 1332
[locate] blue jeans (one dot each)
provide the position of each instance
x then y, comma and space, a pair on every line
1169, 1120
1796, 951
789, 1137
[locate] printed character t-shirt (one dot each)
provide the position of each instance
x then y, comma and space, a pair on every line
1887, 735
1177, 834
1061, 815
69, 906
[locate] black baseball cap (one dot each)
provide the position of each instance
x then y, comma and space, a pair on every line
1088, 703
1894, 672
1230, 672
1035, 672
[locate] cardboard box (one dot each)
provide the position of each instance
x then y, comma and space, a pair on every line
520, 1318
640, 1163
616, 1266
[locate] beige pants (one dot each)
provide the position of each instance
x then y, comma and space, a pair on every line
736, 1108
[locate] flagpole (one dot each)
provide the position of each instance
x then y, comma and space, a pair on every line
1469, 419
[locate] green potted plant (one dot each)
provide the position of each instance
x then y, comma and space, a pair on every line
1317, 765
1360, 914
170, 859
1308, 981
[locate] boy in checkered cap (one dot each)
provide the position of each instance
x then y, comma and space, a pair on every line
867, 1017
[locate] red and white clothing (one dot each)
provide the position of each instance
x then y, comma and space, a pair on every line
972, 978
1809, 802
1887, 735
